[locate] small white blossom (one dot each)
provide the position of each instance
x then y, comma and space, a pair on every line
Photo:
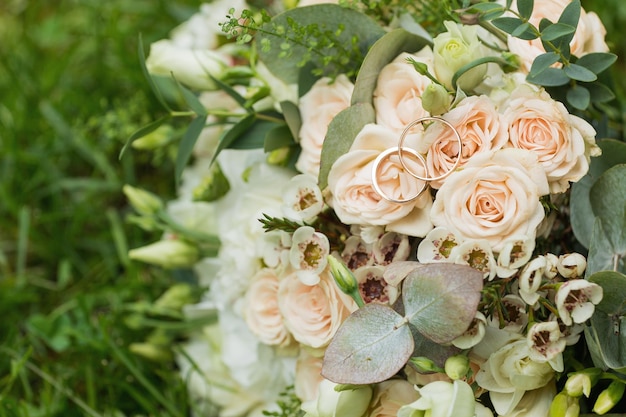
474, 334
308, 254
515, 317
369, 234
576, 299
515, 253
437, 245
551, 270
356, 253
391, 247
547, 344
302, 198
478, 255
571, 265
373, 287
530, 280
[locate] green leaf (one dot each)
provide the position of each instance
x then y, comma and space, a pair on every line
582, 216
232, 134
486, 7
440, 300
597, 61
543, 62
187, 143
341, 133
291, 113
525, 8
571, 14
143, 131
579, 97
278, 136
525, 31
232, 93
579, 73
556, 31
142, 63
550, 77
507, 24
191, 99
600, 93
213, 186
603, 255
328, 17
372, 345
385, 50
606, 335
608, 201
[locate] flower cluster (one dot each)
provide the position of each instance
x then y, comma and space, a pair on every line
380, 253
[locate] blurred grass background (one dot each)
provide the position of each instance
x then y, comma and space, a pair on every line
71, 92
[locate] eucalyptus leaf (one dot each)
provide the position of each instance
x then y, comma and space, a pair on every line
571, 14
608, 201
550, 77
543, 62
507, 24
440, 299
597, 61
525, 31
579, 73
556, 31
603, 255
291, 113
278, 136
486, 7
327, 17
371, 345
579, 97
341, 133
582, 216
525, 8
187, 143
385, 50
600, 93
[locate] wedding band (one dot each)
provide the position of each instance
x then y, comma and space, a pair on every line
402, 149
385, 154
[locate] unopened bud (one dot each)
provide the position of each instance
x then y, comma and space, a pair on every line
580, 383
172, 253
435, 99
280, 156
424, 365
457, 366
345, 279
609, 397
158, 138
143, 202
564, 406
150, 351
175, 297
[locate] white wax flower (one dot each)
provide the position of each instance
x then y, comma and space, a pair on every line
516, 318
357, 253
477, 254
510, 372
191, 67
373, 287
515, 253
454, 49
437, 245
391, 247
351, 402
530, 280
576, 299
442, 399
308, 254
551, 269
474, 334
547, 344
302, 198
571, 265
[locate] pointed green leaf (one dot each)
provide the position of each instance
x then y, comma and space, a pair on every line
507, 24
232, 134
556, 30
142, 63
143, 131
191, 99
278, 137
291, 112
525, 8
440, 300
597, 61
372, 345
187, 143
550, 77
232, 93
543, 62
571, 14
341, 133
579, 73
579, 97
525, 31
600, 93
255, 136
581, 213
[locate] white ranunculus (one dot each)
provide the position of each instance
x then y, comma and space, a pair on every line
442, 399
562, 142
494, 197
350, 402
318, 107
191, 67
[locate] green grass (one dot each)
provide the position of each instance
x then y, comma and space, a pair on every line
71, 302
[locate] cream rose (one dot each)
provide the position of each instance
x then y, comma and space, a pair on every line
390, 395
495, 196
589, 35
399, 88
563, 142
313, 313
318, 107
353, 195
262, 313
478, 123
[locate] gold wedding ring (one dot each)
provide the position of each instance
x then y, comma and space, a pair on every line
402, 149
375, 169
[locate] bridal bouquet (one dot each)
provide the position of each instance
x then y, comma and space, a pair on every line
397, 208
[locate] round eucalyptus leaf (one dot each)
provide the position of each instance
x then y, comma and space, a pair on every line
608, 201
372, 345
440, 299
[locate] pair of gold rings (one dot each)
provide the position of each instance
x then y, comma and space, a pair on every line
402, 150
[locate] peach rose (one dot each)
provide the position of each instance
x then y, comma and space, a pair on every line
308, 376
390, 395
589, 36
318, 107
562, 142
353, 195
313, 313
397, 97
495, 196
262, 313
481, 130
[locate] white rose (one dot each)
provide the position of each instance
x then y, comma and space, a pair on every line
191, 67
442, 399
562, 142
494, 197
353, 195
349, 402
318, 107
313, 313
399, 88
